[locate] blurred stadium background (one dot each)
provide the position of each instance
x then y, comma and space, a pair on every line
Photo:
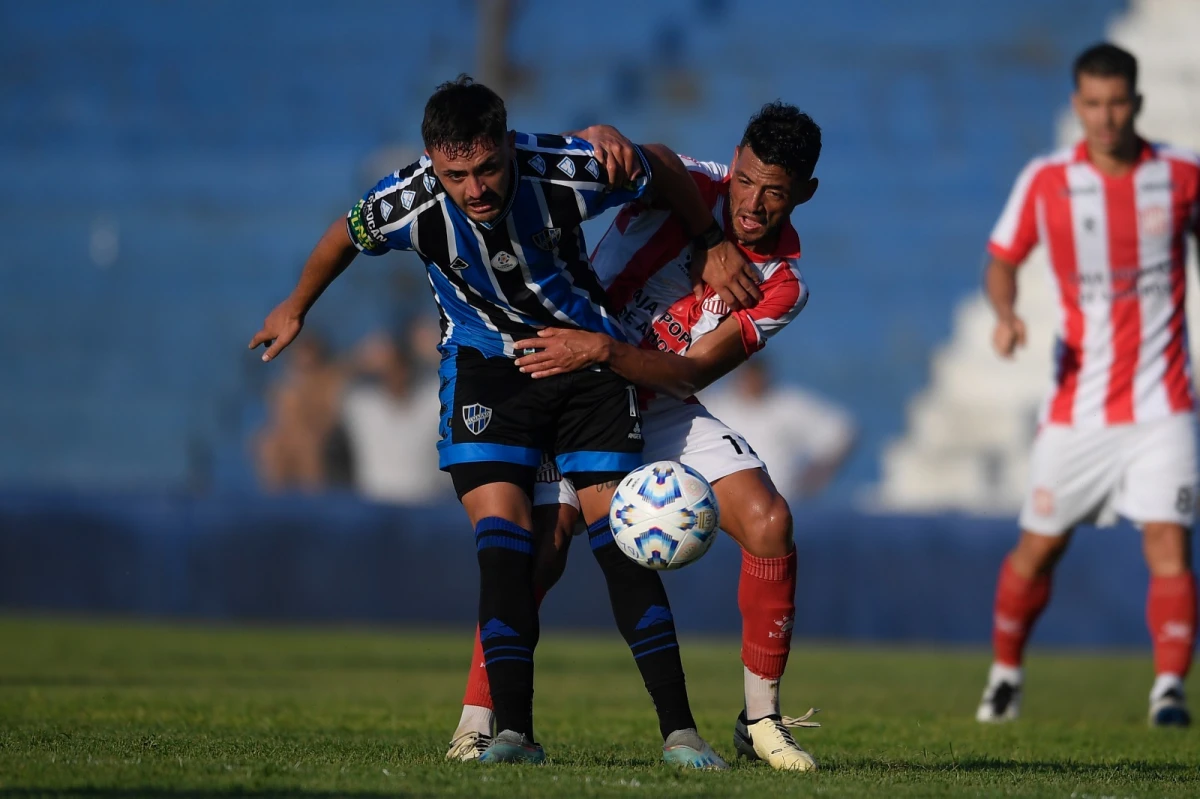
168, 166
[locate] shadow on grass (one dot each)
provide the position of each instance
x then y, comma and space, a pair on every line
1132, 768
173, 793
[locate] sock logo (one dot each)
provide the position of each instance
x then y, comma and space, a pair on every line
655, 614
496, 629
785, 625
1175, 631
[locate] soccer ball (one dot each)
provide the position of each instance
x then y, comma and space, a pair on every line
664, 515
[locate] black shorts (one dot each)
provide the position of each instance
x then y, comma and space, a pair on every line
491, 412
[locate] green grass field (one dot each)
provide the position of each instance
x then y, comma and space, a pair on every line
105, 709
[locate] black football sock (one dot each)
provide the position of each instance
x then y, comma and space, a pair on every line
643, 615
508, 620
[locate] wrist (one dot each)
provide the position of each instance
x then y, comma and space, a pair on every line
710, 237
605, 350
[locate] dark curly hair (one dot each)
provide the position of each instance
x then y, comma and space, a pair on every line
460, 115
783, 135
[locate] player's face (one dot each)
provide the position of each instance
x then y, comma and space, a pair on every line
478, 180
1106, 107
761, 197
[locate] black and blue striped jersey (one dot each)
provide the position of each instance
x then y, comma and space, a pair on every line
499, 282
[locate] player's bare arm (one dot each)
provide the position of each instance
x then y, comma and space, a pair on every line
329, 258
1000, 284
562, 350
717, 261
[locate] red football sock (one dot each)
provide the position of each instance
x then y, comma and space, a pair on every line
1171, 614
1019, 602
767, 599
479, 692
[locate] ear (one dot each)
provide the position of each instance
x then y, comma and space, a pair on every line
1138, 101
512, 139
805, 192
736, 152
1076, 103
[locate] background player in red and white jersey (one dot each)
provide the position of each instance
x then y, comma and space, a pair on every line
644, 262
1117, 432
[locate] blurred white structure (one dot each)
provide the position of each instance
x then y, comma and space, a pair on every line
969, 432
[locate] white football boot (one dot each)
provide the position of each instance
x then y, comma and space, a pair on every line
469, 746
770, 739
1168, 705
1001, 700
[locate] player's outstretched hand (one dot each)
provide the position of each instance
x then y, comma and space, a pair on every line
615, 153
281, 326
561, 350
727, 271
1008, 335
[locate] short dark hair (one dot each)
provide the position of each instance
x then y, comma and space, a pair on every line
460, 115
1107, 61
783, 135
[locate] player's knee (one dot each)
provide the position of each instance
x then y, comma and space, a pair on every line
1166, 547
1037, 554
768, 532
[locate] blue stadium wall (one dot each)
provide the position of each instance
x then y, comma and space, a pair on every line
862, 578
212, 141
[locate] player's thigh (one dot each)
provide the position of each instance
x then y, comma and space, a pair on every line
753, 512
1159, 482
688, 433
1073, 478
488, 416
599, 436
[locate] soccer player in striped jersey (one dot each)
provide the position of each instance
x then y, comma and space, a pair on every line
677, 342
1117, 433
495, 215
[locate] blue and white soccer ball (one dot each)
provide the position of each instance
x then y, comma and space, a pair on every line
664, 515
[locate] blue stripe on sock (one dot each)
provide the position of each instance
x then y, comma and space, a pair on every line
656, 649
503, 542
490, 649
599, 535
651, 638
508, 657
501, 525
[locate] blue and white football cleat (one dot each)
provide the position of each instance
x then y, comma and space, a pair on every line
513, 747
687, 749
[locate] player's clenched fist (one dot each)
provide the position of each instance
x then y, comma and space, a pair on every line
1008, 335
281, 326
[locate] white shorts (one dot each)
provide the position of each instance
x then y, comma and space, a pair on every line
1145, 472
674, 431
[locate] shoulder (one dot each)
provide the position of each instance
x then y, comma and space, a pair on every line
552, 157
1041, 165
401, 196
1176, 155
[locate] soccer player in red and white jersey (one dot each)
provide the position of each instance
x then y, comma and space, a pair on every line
1117, 433
644, 264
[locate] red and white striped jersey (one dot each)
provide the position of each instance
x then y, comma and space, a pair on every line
643, 261
1117, 251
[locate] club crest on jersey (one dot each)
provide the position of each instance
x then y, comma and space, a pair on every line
430, 182
547, 238
592, 167
458, 264
406, 198
538, 165
715, 305
504, 261
476, 417
567, 166
385, 209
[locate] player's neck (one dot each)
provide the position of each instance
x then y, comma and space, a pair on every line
1118, 163
765, 246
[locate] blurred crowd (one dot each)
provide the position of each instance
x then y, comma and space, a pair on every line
367, 421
